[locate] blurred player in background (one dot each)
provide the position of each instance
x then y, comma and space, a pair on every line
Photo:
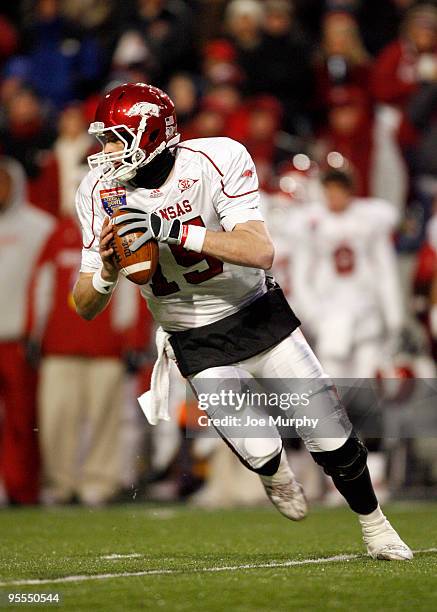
347, 281
348, 287
219, 315
23, 230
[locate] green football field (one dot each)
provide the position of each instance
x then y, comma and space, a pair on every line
171, 558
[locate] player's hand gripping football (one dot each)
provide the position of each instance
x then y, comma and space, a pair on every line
152, 225
109, 269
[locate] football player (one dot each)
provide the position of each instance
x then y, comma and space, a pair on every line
348, 287
222, 319
346, 278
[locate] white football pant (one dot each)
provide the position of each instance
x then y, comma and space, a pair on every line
274, 371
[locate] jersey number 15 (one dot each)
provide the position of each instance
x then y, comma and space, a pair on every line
161, 286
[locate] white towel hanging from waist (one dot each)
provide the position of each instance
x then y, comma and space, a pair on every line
154, 403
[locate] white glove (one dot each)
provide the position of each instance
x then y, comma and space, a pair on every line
152, 225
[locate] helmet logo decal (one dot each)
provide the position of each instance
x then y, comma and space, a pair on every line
144, 109
170, 129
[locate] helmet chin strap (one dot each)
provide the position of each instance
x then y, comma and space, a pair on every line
155, 173
126, 172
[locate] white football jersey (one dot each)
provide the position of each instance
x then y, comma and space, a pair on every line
346, 274
213, 184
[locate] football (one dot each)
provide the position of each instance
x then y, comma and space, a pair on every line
138, 267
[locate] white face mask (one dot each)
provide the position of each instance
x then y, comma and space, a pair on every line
122, 165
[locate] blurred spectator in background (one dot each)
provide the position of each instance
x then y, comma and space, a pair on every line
64, 60
420, 114
183, 91
220, 114
166, 27
224, 97
408, 61
264, 116
286, 69
80, 396
404, 77
243, 20
23, 230
349, 131
15, 75
132, 60
208, 122
28, 136
8, 39
64, 170
380, 20
70, 151
281, 65
342, 60
88, 14
219, 63
344, 252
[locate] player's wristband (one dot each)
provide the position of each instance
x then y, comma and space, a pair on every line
103, 286
193, 237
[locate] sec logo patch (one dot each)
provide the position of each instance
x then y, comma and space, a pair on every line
113, 199
186, 183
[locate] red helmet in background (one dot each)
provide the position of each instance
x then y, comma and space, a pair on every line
143, 118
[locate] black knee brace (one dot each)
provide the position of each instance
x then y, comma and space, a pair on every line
347, 466
345, 463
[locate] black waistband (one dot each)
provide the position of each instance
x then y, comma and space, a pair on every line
251, 330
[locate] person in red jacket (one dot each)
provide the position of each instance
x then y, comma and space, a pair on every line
23, 230
407, 67
404, 84
342, 58
349, 131
80, 395
408, 61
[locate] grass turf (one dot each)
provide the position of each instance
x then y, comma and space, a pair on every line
46, 544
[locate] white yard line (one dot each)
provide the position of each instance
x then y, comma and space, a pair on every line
116, 556
162, 572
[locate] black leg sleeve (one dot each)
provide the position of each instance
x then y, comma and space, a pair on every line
348, 469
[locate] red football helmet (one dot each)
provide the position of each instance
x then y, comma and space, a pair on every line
143, 118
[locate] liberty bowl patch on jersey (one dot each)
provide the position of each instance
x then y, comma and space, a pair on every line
112, 199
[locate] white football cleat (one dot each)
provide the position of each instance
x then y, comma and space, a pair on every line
285, 493
383, 542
